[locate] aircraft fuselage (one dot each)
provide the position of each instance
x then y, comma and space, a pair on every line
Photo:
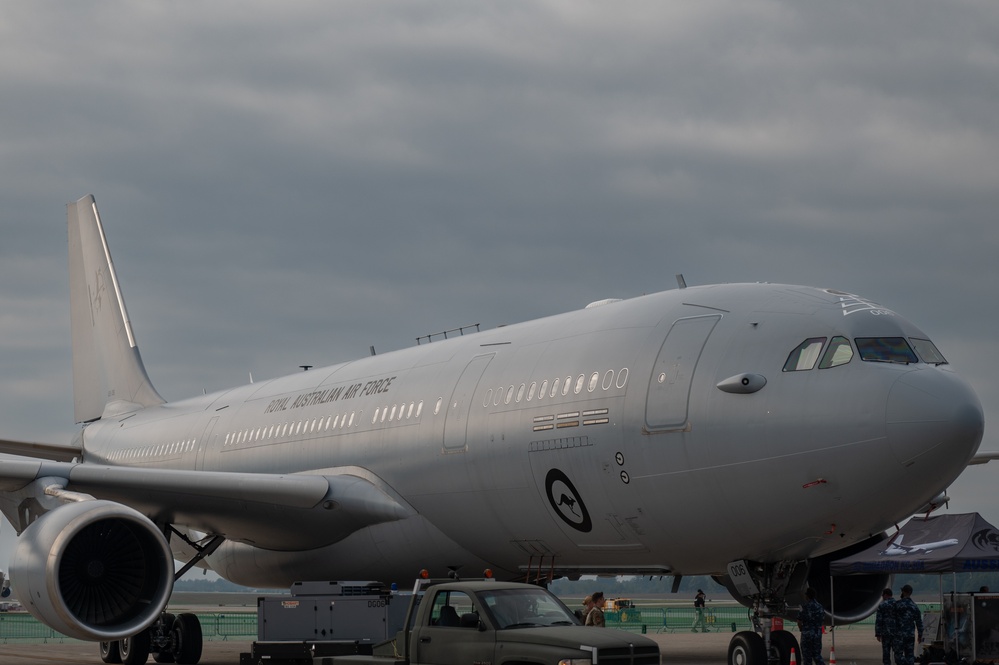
593, 441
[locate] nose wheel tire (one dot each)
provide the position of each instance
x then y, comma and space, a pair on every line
747, 648
783, 642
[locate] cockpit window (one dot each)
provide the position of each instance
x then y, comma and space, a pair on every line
928, 351
804, 356
839, 352
885, 350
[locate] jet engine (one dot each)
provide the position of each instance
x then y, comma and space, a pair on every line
93, 570
854, 597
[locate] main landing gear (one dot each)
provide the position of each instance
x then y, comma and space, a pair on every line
172, 639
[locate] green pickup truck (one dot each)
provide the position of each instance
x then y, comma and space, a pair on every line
499, 623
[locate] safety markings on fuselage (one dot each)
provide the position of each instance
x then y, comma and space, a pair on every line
566, 501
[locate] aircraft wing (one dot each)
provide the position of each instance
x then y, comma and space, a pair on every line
984, 457
47, 451
272, 511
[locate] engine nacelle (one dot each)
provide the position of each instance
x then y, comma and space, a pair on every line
855, 597
93, 570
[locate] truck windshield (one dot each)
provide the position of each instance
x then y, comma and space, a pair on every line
524, 608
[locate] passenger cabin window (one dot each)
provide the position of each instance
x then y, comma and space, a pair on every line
804, 356
927, 351
839, 352
885, 350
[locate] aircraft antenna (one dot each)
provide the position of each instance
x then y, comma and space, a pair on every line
680, 281
305, 368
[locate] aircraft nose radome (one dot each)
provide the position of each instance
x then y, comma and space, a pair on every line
934, 417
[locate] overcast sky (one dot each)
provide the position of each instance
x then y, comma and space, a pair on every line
289, 183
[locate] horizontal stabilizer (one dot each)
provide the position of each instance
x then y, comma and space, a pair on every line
47, 451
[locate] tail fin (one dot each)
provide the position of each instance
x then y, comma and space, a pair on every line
108, 375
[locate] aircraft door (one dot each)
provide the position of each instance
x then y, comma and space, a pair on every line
458, 408
673, 372
204, 442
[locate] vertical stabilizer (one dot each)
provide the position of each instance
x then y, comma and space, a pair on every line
108, 375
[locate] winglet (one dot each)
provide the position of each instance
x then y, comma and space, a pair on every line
108, 375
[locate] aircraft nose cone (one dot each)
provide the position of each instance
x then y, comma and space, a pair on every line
934, 417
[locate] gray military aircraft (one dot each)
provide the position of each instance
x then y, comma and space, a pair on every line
749, 431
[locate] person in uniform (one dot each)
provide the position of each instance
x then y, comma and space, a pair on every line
907, 618
811, 616
884, 626
587, 606
595, 617
699, 613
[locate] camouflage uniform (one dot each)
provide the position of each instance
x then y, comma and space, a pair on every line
907, 618
810, 620
885, 629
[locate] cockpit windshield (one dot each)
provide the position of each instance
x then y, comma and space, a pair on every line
885, 350
871, 349
928, 351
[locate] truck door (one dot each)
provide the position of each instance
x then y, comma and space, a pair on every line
451, 635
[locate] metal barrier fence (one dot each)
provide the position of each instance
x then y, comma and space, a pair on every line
17, 626
667, 619
243, 625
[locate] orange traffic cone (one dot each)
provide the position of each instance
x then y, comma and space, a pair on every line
793, 661
832, 655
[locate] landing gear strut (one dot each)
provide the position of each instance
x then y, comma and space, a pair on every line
767, 586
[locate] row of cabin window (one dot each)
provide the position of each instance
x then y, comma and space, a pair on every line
324, 424
505, 394
175, 448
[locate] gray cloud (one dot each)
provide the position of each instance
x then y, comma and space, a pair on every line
291, 184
